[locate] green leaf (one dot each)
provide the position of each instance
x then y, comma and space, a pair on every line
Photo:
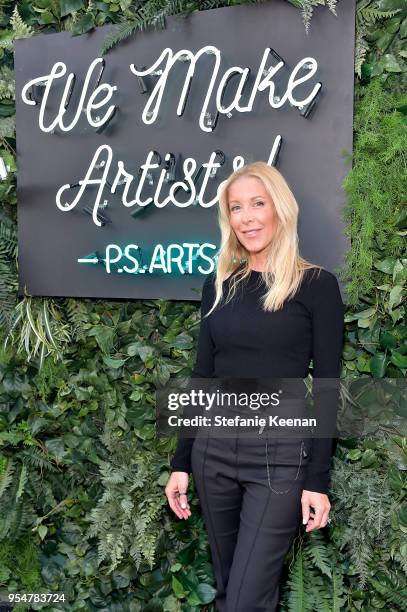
378, 364
363, 314
349, 352
369, 337
70, 6
142, 350
400, 272
104, 337
384, 41
390, 5
42, 531
388, 340
161, 373
403, 516
139, 378
396, 295
355, 454
163, 481
178, 588
56, 447
389, 63
363, 363
368, 458
206, 593
386, 265
397, 314
183, 341
401, 220
114, 363
399, 360
83, 25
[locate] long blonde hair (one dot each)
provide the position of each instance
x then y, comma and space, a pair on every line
284, 266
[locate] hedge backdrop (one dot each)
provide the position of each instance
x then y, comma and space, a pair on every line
82, 474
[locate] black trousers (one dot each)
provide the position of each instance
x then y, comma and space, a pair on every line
250, 494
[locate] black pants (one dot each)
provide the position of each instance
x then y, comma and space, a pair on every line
252, 512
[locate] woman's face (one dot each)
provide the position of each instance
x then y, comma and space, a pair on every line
252, 214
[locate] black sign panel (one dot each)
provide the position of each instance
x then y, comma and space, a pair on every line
120, 157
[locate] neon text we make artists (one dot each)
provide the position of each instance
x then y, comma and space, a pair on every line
103, 93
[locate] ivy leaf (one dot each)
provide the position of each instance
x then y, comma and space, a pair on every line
400, 272
389, 63
363, 363
206, 593
401, 220
395, 296
378, 364
387, 340
138, 379
355, 454
396, 314
70, 6
178, 588
183, 341
363, 314
114, 363
56, 447
162, 481
161, 373
83, 25
368, 458
403, 516
384, 41
386, 265
142, 350
369, 338
349, 352
399, 360
104, 337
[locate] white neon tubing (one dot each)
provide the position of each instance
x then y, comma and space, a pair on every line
158, 91
58, 70
88, 181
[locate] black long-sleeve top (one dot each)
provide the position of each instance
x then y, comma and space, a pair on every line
239, 339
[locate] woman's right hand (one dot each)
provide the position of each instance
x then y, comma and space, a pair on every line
175, 490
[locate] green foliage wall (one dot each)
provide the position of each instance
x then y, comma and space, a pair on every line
82, 474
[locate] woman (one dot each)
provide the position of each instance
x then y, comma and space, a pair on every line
288, 312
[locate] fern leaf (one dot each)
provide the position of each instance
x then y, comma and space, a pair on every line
6, 477
318, 554
123, 31
296, 584
20, 29
22, 481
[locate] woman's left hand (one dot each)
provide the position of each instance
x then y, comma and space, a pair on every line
319, 517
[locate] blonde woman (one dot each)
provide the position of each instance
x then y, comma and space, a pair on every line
265, 313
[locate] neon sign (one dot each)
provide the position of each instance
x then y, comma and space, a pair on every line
185, 258
103, 156
132, 149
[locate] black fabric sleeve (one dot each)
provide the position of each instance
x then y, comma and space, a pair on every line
327, 344
204, 366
